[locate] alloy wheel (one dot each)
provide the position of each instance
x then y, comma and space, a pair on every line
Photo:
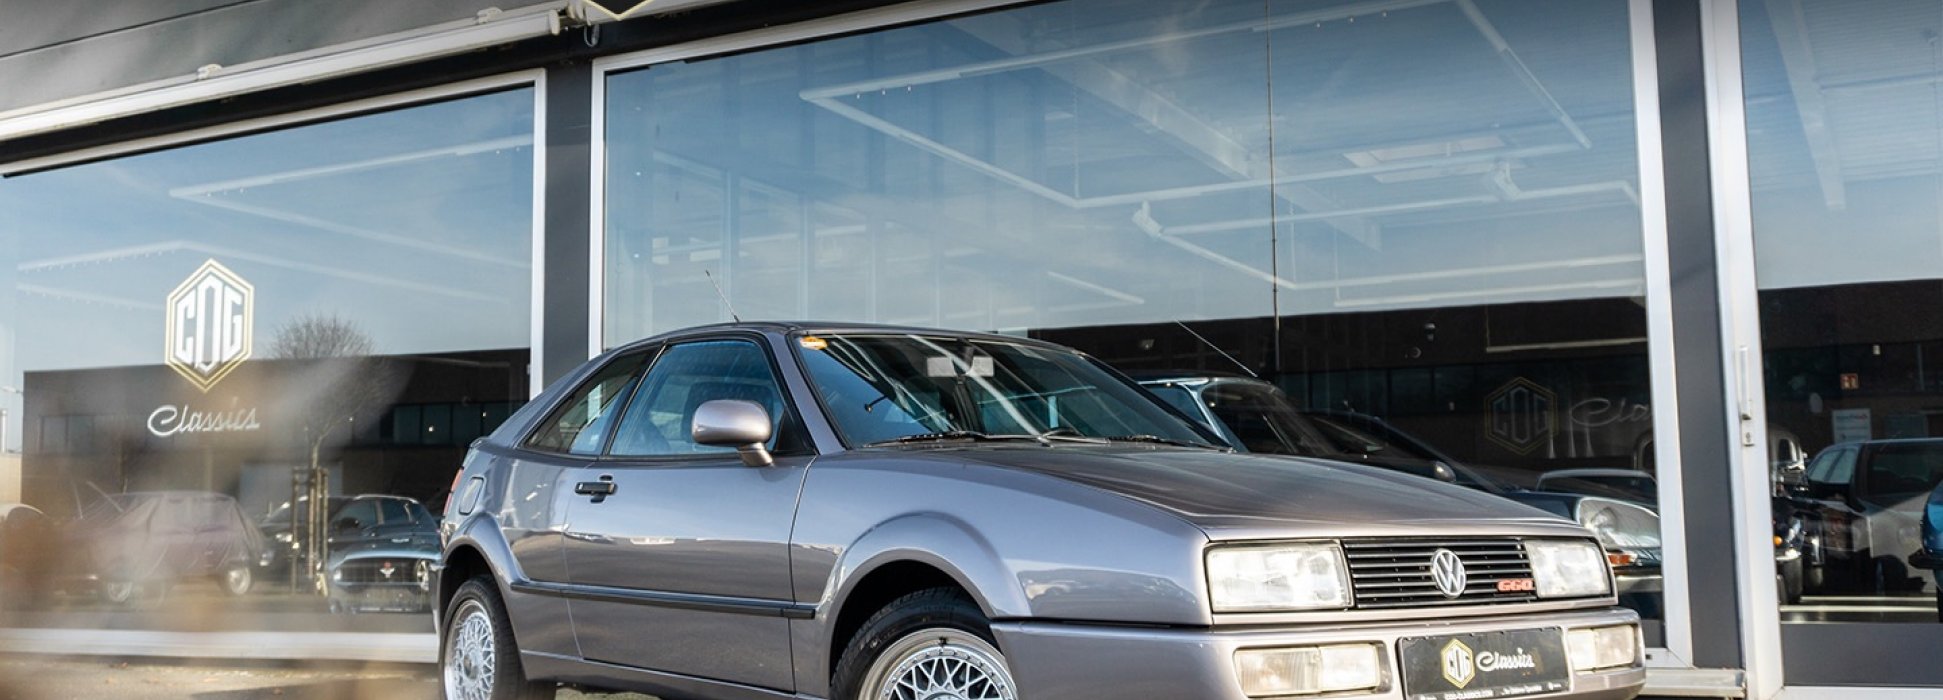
940, 664
469, 654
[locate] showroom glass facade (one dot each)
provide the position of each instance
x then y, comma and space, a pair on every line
1420, 225
201, 337
1197, 192
1845, 149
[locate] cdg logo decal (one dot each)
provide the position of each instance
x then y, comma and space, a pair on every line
210, 319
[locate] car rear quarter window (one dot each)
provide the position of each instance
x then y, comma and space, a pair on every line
581, 423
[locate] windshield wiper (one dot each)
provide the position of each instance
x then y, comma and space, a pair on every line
1158, 440
972, 435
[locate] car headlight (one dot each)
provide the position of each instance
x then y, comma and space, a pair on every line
1620, 525
1262, 578
1568, 568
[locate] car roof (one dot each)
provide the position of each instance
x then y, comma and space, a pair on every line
830, 327
7, 509
1594, 473
1148, 376
1890, 441
178, 494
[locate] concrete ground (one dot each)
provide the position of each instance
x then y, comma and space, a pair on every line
27, 677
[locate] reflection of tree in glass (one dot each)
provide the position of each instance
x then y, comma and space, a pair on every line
336, 379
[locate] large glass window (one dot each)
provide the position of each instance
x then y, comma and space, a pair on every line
1845, 146
1427, 215
240, 332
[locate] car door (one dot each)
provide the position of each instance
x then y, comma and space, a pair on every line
683, 567
535, 483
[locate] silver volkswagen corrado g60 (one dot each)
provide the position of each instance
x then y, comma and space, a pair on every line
777, 510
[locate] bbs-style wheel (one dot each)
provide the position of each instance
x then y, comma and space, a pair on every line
478, 659
934, 644
237, 579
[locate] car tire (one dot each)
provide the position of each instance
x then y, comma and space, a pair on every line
478, 659
237, 580
1792, 582
936, 626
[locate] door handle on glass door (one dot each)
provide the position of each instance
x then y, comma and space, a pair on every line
600, 490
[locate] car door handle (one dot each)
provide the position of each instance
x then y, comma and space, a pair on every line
600, 490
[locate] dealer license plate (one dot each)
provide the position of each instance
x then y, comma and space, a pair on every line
1487, 665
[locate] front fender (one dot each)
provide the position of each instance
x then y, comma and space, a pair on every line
540, 623
942, 542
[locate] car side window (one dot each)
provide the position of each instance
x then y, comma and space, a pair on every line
658, 421
580, 425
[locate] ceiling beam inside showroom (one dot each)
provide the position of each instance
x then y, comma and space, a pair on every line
1204, 141
1798, 57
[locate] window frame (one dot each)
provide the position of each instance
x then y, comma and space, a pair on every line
645, 354
788, 424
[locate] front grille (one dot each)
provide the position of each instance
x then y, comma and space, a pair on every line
371, 571
1395, 573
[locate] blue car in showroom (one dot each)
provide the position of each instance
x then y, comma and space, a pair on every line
1930, 555
783, 510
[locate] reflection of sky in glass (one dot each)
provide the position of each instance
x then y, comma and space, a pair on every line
1098, 162
415, 224
1845, 140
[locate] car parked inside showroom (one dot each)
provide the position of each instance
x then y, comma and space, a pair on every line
381, 577
863, 512
353, 523
133, 547
1862, 505
1255, 416
1929, 555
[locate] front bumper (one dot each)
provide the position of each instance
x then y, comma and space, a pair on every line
1095, 662
1638, 581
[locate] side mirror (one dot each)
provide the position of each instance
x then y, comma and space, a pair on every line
743, 425
1444, 472
344, 525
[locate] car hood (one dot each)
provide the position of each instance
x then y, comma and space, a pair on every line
1247, 496
393, 553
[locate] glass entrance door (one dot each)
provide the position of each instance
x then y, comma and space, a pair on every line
1844, 105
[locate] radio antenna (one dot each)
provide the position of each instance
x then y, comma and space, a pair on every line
1217, 348
725, 297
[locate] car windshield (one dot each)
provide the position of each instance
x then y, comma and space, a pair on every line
882, 388
1262, 420
1904, 470
110, 507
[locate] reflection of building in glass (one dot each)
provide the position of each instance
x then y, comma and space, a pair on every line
109, 430
1577, 368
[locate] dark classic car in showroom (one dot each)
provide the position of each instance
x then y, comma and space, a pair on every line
1255, 416
132, 547
381, 578
354, 523
1862, 505
859, 512
382, 550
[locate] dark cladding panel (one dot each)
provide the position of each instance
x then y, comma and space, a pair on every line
53, 51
